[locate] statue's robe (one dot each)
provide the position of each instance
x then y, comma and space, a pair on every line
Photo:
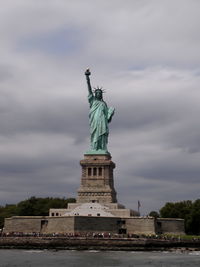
99, 117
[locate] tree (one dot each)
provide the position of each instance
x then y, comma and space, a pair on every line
177, 209
187, 210
193, 222
33, 207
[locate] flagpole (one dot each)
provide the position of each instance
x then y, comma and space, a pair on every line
139, 206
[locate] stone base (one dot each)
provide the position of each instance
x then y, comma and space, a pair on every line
97, 183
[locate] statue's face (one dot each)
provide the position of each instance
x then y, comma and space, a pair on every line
98, 94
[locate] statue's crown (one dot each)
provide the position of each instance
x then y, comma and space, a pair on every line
98, 89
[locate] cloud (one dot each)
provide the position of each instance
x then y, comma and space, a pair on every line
144, 53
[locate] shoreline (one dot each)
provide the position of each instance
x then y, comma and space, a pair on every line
109, 244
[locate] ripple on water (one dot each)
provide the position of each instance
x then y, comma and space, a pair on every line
34, 251
195, 253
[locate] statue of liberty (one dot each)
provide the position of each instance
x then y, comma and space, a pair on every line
99, 117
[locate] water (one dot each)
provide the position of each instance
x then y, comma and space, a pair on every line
48, 258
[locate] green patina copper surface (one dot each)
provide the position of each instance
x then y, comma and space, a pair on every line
99, 117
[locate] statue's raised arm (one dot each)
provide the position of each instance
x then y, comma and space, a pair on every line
100, 115
87, 74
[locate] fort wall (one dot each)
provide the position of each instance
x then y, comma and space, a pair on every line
92, 224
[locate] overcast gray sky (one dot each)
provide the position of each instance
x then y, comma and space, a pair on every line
145, 53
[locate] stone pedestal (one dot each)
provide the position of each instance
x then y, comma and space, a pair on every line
97, 183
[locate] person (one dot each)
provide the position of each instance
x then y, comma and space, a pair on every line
99, 117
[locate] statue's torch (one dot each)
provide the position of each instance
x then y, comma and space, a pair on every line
87, 72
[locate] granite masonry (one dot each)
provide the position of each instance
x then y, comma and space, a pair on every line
96, 209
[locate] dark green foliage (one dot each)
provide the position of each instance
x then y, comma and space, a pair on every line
154, 214
187, 210
193, 222
33, 207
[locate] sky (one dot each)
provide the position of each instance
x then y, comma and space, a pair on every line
145, 54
